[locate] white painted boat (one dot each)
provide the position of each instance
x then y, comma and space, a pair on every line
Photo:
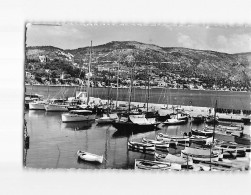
107, 119
86, 156
174, 121
39, 105
78, 115
201, 154
173, 159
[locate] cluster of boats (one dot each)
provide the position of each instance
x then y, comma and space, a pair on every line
197, 153
202, 149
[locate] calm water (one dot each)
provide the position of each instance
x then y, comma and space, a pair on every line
54, 144
226, 99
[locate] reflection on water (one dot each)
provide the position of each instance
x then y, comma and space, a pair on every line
54, 144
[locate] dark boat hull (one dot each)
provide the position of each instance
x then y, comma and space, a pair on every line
132, 127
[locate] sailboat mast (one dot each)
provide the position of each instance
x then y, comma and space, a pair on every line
117, 88
214, 119
148, 76
89, 74
130, 92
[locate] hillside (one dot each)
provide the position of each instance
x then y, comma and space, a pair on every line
184, 61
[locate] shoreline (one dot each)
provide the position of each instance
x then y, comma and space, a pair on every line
141, 87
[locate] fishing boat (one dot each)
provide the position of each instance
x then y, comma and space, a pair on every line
37, 105
234, 117
107, 119
56, 105
227, 129
78, 115
174, 121
159, 145
211, 119
202, 132
168, 138
31, 98
155, 165
138, 146
170, 158
134, 123
232, 150
201, 140
243, 139
201, 154
86, 156
198, 119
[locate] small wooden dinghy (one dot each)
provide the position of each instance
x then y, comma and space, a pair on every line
86, 156
155, 165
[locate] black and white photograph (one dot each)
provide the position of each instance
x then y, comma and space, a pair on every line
138, 97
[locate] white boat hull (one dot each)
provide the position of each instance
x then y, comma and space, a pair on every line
36, 106
56, 108
90, 157
68, 117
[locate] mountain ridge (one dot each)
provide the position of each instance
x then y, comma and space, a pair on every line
193, 62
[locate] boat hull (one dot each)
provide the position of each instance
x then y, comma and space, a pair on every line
90, 157
36, 106
56, 108
132, 127
76, 118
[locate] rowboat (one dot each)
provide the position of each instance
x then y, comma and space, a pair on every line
155, 165
173, 159
86, 156
138, 146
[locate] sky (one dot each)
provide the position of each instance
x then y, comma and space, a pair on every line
228, 39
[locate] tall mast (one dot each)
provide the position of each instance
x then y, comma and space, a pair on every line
148, 88
214, 119
130, 92
213, 134
117, 87
89, 74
